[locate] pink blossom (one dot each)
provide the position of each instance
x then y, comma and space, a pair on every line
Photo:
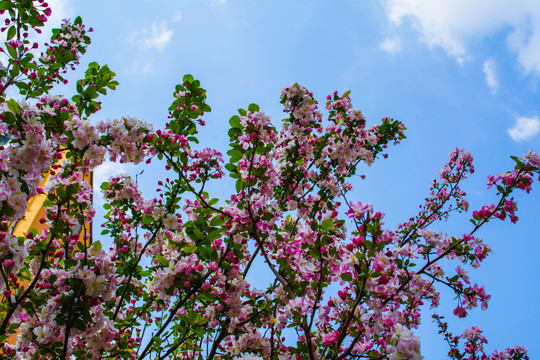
331, 338
358, 209
460, 312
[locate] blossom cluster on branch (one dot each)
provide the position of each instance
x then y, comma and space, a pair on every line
174, 282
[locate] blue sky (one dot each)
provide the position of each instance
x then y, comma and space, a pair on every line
457, 73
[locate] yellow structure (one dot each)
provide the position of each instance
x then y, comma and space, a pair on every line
36, 211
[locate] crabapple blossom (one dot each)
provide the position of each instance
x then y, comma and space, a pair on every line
174, 279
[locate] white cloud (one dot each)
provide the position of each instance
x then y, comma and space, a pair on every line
178, 16
142, 65
455, 25
61, 9
524, 128
104, 171
391, 44
156, 37
491, 75
101, 174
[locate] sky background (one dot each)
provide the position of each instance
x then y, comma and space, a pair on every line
458, 73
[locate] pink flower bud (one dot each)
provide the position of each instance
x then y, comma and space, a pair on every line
460, 312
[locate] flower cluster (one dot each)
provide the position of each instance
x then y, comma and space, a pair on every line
183, 274
473, 345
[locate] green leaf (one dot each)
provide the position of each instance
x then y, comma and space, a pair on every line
239, 185
35, 22
201, 321
327, 224
314, 225
5, 5
206, 252
216, 221
235, 122
146, 273
205, 108
61, 192
93, 65
346, 277
253, 108
198, 233
216, 234
147, 220
232, 168
268, 216
104, 186
11, 32
97, 245
15, 71
190, 249
112, 85
192, 316
13, 106
161, 260
235, 155
91, 92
